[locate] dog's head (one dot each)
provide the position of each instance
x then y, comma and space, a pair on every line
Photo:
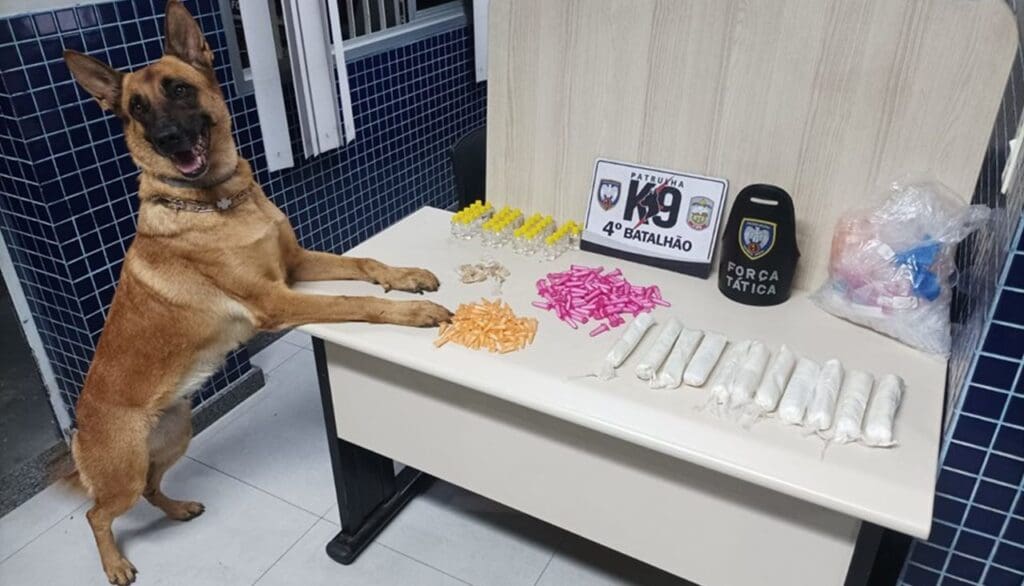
176, 123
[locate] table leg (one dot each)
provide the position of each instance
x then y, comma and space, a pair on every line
369, 492
865, 552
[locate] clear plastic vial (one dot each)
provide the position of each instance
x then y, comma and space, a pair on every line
467, 221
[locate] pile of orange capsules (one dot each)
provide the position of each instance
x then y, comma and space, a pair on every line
490, 325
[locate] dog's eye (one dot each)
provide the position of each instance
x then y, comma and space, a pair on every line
180, 90
137, 106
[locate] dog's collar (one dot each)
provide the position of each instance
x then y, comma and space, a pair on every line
190, 205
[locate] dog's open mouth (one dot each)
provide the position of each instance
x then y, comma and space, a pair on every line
193, 162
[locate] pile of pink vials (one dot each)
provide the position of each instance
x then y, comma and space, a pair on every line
583, 293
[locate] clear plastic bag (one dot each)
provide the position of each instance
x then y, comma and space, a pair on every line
892, 265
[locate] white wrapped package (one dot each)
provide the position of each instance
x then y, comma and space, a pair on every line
881, 414
749, 375
671, 375
775, 380
704, 359
626, 344
799, 391
726, 370
656, 355
826, 391
853, 400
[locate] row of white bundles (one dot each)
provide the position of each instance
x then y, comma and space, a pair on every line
684, 355
745, 377
802, 392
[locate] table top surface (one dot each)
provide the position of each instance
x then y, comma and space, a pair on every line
890, 487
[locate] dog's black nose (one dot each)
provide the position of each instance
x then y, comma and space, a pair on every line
170, 139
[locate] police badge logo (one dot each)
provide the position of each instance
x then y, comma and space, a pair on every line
608, 194
698, 216
757, 237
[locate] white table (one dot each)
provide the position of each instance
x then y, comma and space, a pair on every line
644, 472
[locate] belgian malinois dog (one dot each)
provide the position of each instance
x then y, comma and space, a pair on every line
210, 265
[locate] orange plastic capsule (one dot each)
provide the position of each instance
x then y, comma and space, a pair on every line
488, 324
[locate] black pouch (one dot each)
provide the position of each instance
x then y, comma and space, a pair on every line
759, 250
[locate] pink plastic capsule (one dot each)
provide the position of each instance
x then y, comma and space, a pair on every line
583, 294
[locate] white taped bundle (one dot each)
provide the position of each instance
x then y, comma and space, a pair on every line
749, 374
704, 359
671, 375
881, 415
626, 344
799, 391
726, 370
826, 391
853, 400
775, 380
656, 355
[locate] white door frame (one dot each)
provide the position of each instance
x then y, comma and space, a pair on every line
35, 343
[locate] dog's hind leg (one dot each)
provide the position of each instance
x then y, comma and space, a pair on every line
167, 443
114, 462
119, 570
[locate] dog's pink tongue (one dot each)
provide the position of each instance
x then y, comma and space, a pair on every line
187, 161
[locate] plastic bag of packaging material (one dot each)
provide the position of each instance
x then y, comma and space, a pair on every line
892, 265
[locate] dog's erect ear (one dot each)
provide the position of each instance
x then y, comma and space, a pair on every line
98, 78
185, 40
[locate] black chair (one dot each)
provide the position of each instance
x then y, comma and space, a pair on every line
469, 162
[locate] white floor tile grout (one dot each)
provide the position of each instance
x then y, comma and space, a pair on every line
541, 575
290, 338
285, 552
233, 477
400, 552
421, 562
45, 531
331, 521
251, 401
287, 351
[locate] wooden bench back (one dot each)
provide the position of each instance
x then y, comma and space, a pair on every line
830, 100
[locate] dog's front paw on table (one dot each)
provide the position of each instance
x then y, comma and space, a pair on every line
120, 572
411, 280
421, 314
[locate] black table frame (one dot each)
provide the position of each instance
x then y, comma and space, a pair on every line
369, 492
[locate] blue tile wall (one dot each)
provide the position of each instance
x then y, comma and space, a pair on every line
67, 185
980, 258
976, 537
978, 526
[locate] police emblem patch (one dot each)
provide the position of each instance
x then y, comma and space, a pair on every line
608, 194
757, 237
698, 216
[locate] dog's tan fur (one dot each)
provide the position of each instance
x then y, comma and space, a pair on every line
193, 287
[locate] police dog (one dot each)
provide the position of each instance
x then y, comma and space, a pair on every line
210, 265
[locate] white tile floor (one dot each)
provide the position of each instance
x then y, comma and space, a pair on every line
264, 475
